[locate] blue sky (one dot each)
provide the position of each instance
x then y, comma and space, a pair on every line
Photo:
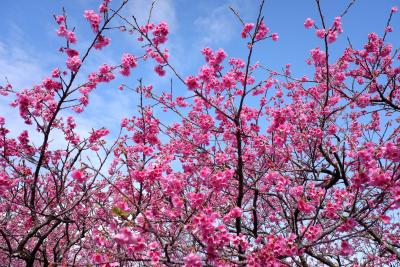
29, 45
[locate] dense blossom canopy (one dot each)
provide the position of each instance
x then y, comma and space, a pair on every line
258, 168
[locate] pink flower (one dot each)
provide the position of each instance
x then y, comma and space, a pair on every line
191, 83
346, 249
304, 206
159, 70
93, 18
79, 176
101, 42
71, 52
262, 31
332, 37
97, 258
275, 36
125, 71
348, 225
394, 9
391, 151
313, 232
128, 61
160, 33
105, 74
73, 63
385, 219
104, 6
55, 73
95, 136
62, 31
219, 56
60, 19
363, 100
388, 29
124, 236
308, 23
49, 84
192, 260
5, 182
124, 122
337, 25
246, 29
332, 129
236, 212
71, 37
321, 33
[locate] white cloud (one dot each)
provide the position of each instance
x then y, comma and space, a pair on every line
15, 61
217, 26
220, 26
22, 70
163, 10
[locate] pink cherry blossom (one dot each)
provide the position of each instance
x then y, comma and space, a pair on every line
79, 176
73, 63
159, 70
101, 42
93, 18
193, 260
308, 23
321, 33
262, 31
346, 249
224, 162
246, 29
160, 33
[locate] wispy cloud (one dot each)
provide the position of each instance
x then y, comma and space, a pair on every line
19, 66
163, 10
22, 70
220, 25
216, 27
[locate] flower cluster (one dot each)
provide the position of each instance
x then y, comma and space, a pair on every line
128, 62
93, 18
63, 31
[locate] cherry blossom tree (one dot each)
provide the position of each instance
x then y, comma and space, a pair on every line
259, 167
